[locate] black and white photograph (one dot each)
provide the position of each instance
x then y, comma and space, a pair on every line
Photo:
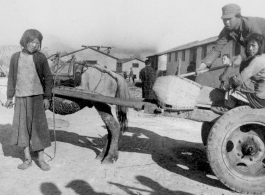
132, 97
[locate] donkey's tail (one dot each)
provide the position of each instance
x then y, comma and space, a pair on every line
121, 111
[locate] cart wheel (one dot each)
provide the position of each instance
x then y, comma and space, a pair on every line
236, 150
205, 130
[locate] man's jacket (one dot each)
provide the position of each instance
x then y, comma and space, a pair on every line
248, 26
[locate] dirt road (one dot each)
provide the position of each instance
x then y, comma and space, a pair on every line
158, 155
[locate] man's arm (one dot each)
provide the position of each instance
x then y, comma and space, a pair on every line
141, 75
213, 54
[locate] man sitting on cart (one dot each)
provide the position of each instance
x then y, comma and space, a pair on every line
248, 87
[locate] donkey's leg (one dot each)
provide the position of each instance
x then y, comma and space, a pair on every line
111, 148
105, 148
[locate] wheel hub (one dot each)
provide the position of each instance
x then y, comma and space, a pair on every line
249, 147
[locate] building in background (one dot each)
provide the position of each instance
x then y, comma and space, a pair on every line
193, 53
96, 56
124, 65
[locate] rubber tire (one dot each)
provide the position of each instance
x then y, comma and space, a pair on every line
215, 140
63, 107
205, 130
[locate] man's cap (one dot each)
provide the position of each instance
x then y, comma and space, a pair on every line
230, 10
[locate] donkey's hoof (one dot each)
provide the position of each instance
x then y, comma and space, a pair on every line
99, 157
108, 161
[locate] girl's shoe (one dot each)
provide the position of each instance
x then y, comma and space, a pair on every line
26, 164
43, 165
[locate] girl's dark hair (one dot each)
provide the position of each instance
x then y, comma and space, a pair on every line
260, 41
29, 35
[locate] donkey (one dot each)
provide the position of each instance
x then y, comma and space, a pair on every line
98, 79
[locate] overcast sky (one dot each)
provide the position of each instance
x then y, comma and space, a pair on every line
144, 25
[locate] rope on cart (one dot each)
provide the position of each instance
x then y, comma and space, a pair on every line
53, 109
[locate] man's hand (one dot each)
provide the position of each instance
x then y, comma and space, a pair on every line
221, 77
46, 104
9, 104
202, 66
234, 82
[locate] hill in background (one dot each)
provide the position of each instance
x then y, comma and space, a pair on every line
6, 51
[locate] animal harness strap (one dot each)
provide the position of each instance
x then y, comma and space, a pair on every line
104, 71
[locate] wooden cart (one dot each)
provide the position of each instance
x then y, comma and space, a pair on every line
235, 141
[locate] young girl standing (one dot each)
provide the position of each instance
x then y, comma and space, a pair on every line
30, 82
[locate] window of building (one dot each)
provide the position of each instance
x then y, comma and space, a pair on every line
154, 62
169, 57
220, 54
204, 51
135, 65
176, 56
193, 54
183, 56
119, 67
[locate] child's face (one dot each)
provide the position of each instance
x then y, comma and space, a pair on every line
33, 45
252, 48
225, 60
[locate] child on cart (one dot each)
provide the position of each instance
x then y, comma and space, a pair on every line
247, 87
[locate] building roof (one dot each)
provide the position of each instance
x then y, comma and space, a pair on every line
103, 53
124, 60
128, 60
176, 48
188, 45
